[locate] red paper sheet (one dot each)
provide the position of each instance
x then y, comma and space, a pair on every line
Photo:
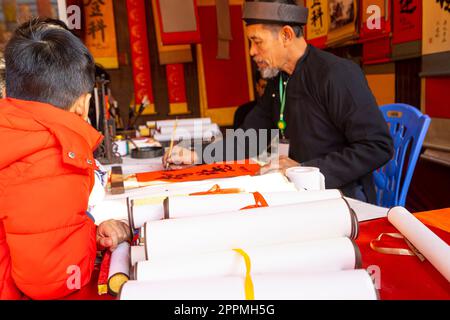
407, 21
437, 101
402, 277
207, 171
226, 80
179, 38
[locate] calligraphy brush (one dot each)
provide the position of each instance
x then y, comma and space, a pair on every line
171, 142
144, 103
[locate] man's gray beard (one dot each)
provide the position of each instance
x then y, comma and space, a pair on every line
267, 73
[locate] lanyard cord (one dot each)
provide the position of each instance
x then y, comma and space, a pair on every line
282, 122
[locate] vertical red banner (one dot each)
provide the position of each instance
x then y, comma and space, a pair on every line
375, 31
137, 26
407, 21
176, 86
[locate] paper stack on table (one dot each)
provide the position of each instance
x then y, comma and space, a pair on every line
115, 206
285, 250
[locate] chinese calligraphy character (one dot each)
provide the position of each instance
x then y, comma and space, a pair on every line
405, 6
95, 5
317, 14
445, 4
444, 32
97, 26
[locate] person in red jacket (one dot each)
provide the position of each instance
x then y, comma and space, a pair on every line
48, 243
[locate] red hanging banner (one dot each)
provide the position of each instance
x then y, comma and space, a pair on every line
219, 77
407, 21
137, 26
178, 21
375, 31
407, 25
176, 86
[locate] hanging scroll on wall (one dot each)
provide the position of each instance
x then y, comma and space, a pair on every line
137, 26
436, 72
224, 84
375, 31
342, 24
436, 38
407, 29
173, 56
178, 21
101, 32
318, 19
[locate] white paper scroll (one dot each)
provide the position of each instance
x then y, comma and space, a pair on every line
275, 182
183, 206
189, 206
307, 257
342, 285
137, 254
185, 135
139, 214
256, 227
119, 269
307, 178
428, 243
183, 122
212, 127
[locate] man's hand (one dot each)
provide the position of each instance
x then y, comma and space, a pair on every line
180, 158
281, 165
111, 233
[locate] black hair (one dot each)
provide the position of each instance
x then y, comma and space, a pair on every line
45, 62
275, 27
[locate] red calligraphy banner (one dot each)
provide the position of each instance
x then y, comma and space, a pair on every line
202, 172
224, 76
407, 21
176, 83
137, 26
176, 86
375, 31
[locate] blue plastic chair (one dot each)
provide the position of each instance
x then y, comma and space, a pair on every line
408, 128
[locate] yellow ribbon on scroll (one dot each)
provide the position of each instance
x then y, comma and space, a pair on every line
216, 189
397, 251
249, 289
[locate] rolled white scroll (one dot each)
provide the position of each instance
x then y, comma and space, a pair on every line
342, 285
182, 206
254, 227
140, 214
306, 257
422, 238
189, 206
307, 178
182, 122
153, 210
212, 127
137, 254
185, 135
119, 269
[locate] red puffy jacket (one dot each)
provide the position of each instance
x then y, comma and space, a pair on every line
47, 242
